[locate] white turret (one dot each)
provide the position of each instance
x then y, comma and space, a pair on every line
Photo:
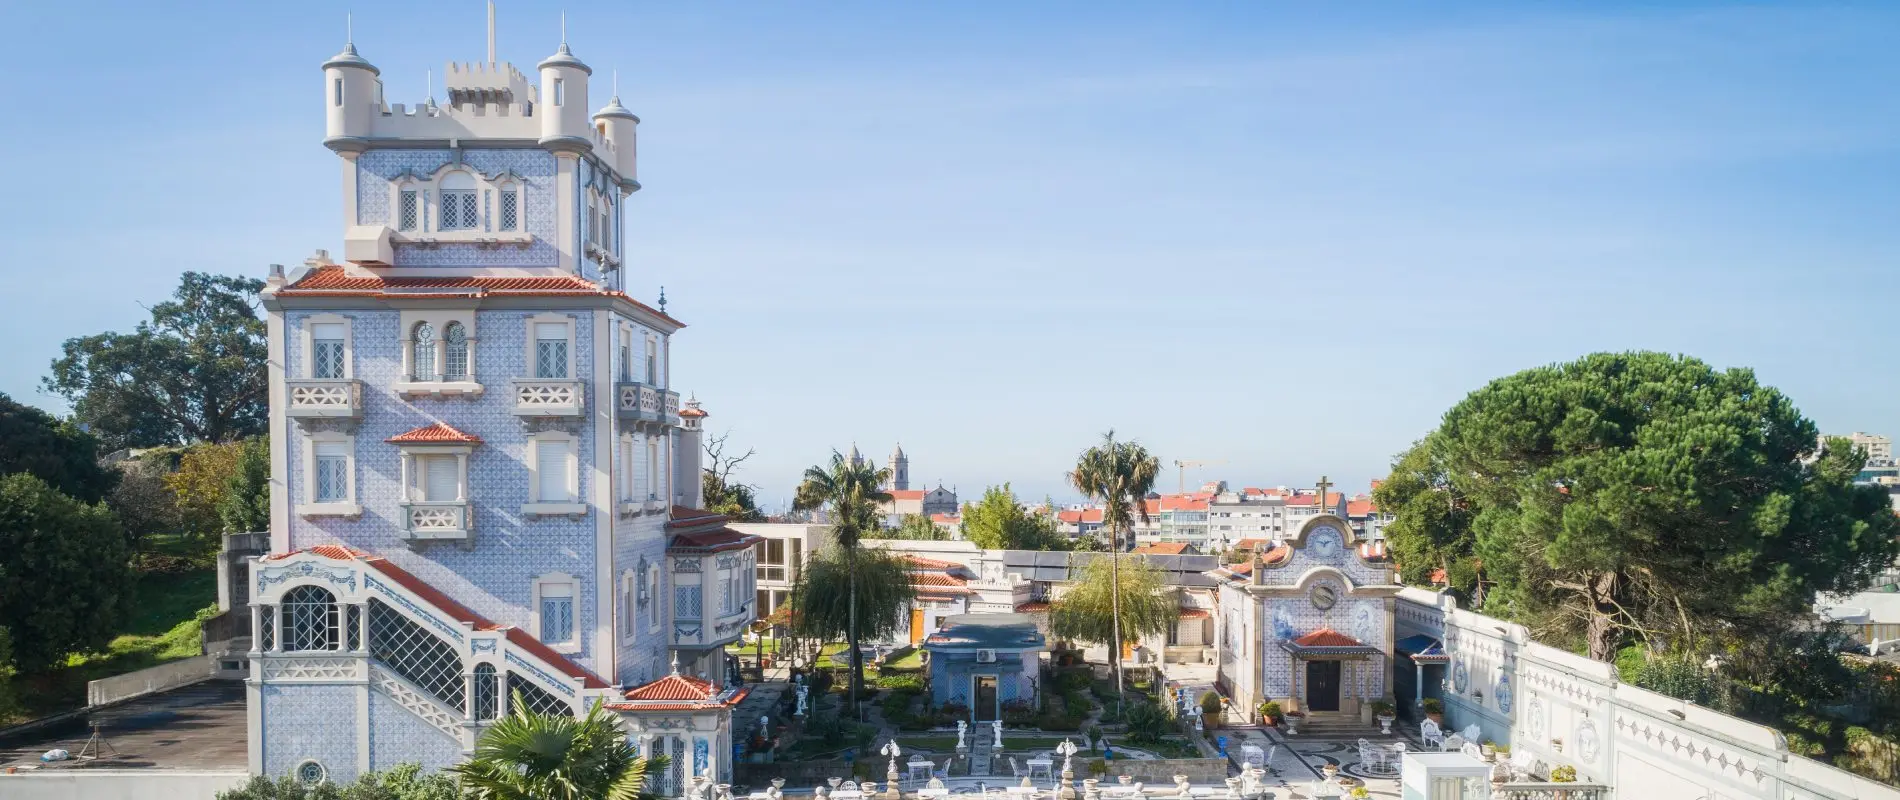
352, 99
616, 124
563, 108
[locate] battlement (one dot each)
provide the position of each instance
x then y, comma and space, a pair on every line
483, 82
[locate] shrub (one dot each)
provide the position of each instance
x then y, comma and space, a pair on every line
1679, 676
907, 683
1146, 723
1210, 703
1434, 705
402, 782
1383, 708
1563, 774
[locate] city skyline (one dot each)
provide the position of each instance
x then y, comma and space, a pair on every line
941, 250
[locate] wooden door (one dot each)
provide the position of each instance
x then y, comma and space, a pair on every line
985, 694
1322, 686
916, 626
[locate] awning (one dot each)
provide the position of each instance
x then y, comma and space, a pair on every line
1423, 649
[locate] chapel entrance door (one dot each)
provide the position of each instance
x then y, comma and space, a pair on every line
985, 695
1322, 686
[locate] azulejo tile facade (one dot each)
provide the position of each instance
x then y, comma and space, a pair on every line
482, 470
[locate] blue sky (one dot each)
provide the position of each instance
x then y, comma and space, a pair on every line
1282, 236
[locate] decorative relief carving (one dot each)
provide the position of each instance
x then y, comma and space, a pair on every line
451, 631
547, 680
428, 708
690, 564
336, 576
311, 668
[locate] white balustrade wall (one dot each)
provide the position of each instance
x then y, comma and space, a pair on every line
1562, 708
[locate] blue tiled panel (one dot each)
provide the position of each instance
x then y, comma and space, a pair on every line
397, 736
494, 578
310, 722
376, 169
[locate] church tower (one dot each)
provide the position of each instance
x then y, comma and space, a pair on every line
900, 469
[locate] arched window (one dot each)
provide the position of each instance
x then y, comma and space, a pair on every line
424, 368
460, 211
485, 691
310, 619
454, 353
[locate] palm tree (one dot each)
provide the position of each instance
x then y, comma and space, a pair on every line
852, 491
530, 756
1119, 475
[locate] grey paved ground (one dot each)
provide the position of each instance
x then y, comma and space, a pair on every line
195, 727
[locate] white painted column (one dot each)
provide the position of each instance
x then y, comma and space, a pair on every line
1419, 688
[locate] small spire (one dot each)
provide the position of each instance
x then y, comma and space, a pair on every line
676, 659
662, 299
349, 28
564, 45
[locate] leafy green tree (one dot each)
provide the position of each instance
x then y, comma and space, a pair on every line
145, 505
851, 493
61, 454
999, 522
245, 506
194, 372
529, 756
1088, 611
913, 526
722, 494
1641, 495
835, 581
201, 486
1431, 528
64, 572
1119, 475
735, 500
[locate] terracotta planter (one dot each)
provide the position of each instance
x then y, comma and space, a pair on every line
1436, 718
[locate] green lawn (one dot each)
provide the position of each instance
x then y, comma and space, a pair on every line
1166, 748
163, 626
909, 658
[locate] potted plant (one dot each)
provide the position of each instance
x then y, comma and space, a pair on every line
1270, 713
1563, 774
1385, 713
1330, 770
1210, 710
1489, 748
1293, 719
1435, 710
1360, 793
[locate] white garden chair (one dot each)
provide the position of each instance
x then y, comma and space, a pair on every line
1451, 744
1432, 735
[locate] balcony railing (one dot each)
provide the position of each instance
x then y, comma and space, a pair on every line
548, 398
672, 408
1551, 791
435, 520
638, 402
320, 398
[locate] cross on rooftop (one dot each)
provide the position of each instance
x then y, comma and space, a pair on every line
1324, 484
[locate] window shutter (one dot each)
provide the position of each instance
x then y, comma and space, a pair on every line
444, 484
327, 330
550, 464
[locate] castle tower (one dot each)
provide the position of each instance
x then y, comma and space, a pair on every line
486, 488
900, 469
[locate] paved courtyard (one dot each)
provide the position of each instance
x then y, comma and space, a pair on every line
1295, 768
198, 727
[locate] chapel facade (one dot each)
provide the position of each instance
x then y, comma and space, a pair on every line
1309, 623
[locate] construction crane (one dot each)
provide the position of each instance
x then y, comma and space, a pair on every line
1181, 471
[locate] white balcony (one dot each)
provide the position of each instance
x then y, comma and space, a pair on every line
548, 398
325, 398
637, 402
435, 520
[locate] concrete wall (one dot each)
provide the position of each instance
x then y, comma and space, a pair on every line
1161, 772
143, 784
147, 681
1566, 709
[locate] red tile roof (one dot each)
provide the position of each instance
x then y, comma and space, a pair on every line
1438, 576
939, 583
1183, 502
907, 494
439, 433
947, 519
674, 687
461, 613
931, 563
335, 281
1242, 568
1360, 508
1196, 613
686, 517
693, 413
1251, 544
1031, 608
1080, 515
1309, 498
1164, 548
1327, 637
1278, 554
